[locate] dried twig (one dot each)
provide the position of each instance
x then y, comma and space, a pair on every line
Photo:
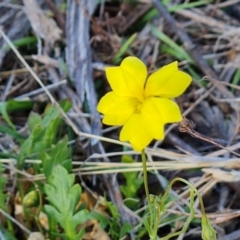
79, 59
185, 126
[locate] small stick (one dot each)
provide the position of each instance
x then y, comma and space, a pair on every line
186, 126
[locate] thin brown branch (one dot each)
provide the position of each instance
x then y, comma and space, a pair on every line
185, 126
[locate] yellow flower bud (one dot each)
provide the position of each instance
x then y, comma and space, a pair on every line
31, 199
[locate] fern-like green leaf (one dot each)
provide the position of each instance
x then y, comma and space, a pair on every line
63, 197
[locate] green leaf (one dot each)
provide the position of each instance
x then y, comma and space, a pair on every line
58, 154
3, 111
133, 183
188, 5
7, 155
171, 51
23, 42
80, 217
80, 234
11, 132
64, 68
55, 214
118, 57
11, 106
113, 209
126, 228
115, 230
60, 183
24, 151
18, 105
28, 146
196, 76
43, 134
63, 197
51, 113
47, 164
3, 196
65, 104
102, 219
34, 119
236, 80
183, 55
52, 121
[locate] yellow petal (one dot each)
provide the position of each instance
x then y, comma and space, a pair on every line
153, 126
135, 132
168, 82
117, 82
129, 78
158, 79
160, 109
135, 74
116, 109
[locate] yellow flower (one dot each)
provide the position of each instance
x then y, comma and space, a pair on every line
142, 105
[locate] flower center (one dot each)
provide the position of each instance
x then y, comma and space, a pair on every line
138, 107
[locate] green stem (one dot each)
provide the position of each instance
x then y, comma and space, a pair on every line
22, 193
192, 210
190, 185
145, 180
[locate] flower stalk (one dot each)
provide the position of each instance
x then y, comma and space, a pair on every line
142, 105
145, 180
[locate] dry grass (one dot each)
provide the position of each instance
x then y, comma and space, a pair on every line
212, 103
